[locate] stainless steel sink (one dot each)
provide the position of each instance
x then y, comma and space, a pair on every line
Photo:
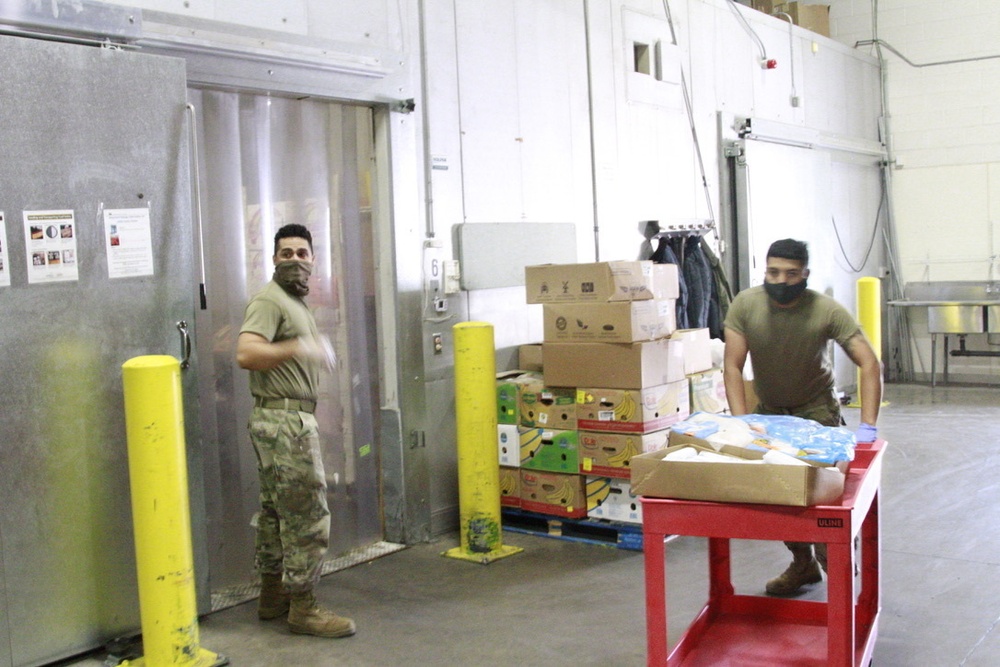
992, 319
955, 319
957, 306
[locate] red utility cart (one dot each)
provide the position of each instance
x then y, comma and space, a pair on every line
755, 630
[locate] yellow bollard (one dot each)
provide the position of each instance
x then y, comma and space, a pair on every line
154, 423
869, 296
478, 458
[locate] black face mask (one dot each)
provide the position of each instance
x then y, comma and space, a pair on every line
293, 276
784, 293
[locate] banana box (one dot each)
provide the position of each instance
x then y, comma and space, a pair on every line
554, 493
546, 407
633, 410
509, 385
609, 454
612, 499
708, 392
549, 449
510, 487
509, 445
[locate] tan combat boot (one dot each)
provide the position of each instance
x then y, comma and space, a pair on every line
307, 618
274, 599
798, 574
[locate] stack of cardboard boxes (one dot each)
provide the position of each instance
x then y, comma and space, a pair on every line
612, 375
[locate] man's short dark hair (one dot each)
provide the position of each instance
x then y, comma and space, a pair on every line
790, 249
293, 230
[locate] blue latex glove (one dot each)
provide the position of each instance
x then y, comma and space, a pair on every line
866, 433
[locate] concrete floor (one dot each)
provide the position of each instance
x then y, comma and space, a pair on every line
567, 603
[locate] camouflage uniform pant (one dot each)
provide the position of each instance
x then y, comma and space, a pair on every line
293, 527
824, 409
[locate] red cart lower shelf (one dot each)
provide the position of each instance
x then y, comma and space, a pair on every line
746, 630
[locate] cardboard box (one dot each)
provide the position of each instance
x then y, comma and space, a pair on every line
510, 487
596, 282
610, 454
769, 484
810, 17
509, 385
547, 407
666, 284
529, 357
612, 499
554, 493
697, 349
613, 365
550, 449
633, 410
509, 445
708, 392
618, 322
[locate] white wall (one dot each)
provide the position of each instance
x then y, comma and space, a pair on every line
526, 139
366, 23
945, 129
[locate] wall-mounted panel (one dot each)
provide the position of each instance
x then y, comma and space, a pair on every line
494, 254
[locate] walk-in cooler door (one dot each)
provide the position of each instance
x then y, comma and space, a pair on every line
97, 269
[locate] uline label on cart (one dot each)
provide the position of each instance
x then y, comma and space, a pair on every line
829, 523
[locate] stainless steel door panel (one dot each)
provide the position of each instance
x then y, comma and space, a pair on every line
82, 128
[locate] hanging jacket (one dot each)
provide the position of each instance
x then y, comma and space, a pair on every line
722, 293
664, 254
698, 276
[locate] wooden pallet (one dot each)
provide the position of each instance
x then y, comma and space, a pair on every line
592, 531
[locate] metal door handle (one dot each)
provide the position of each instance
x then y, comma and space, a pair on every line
182, 327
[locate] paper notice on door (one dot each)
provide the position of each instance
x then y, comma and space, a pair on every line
129, 242
4, 257
50, 243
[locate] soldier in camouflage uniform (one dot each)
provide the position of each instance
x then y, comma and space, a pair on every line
786, 328
281, 347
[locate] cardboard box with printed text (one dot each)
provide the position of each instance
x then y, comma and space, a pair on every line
708, 392
612, 499
554, 493
596, 282
549, 449
633, 410
509, 386
620, 322
610, 454
510, 487
546, 407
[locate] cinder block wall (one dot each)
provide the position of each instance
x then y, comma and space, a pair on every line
945, 128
